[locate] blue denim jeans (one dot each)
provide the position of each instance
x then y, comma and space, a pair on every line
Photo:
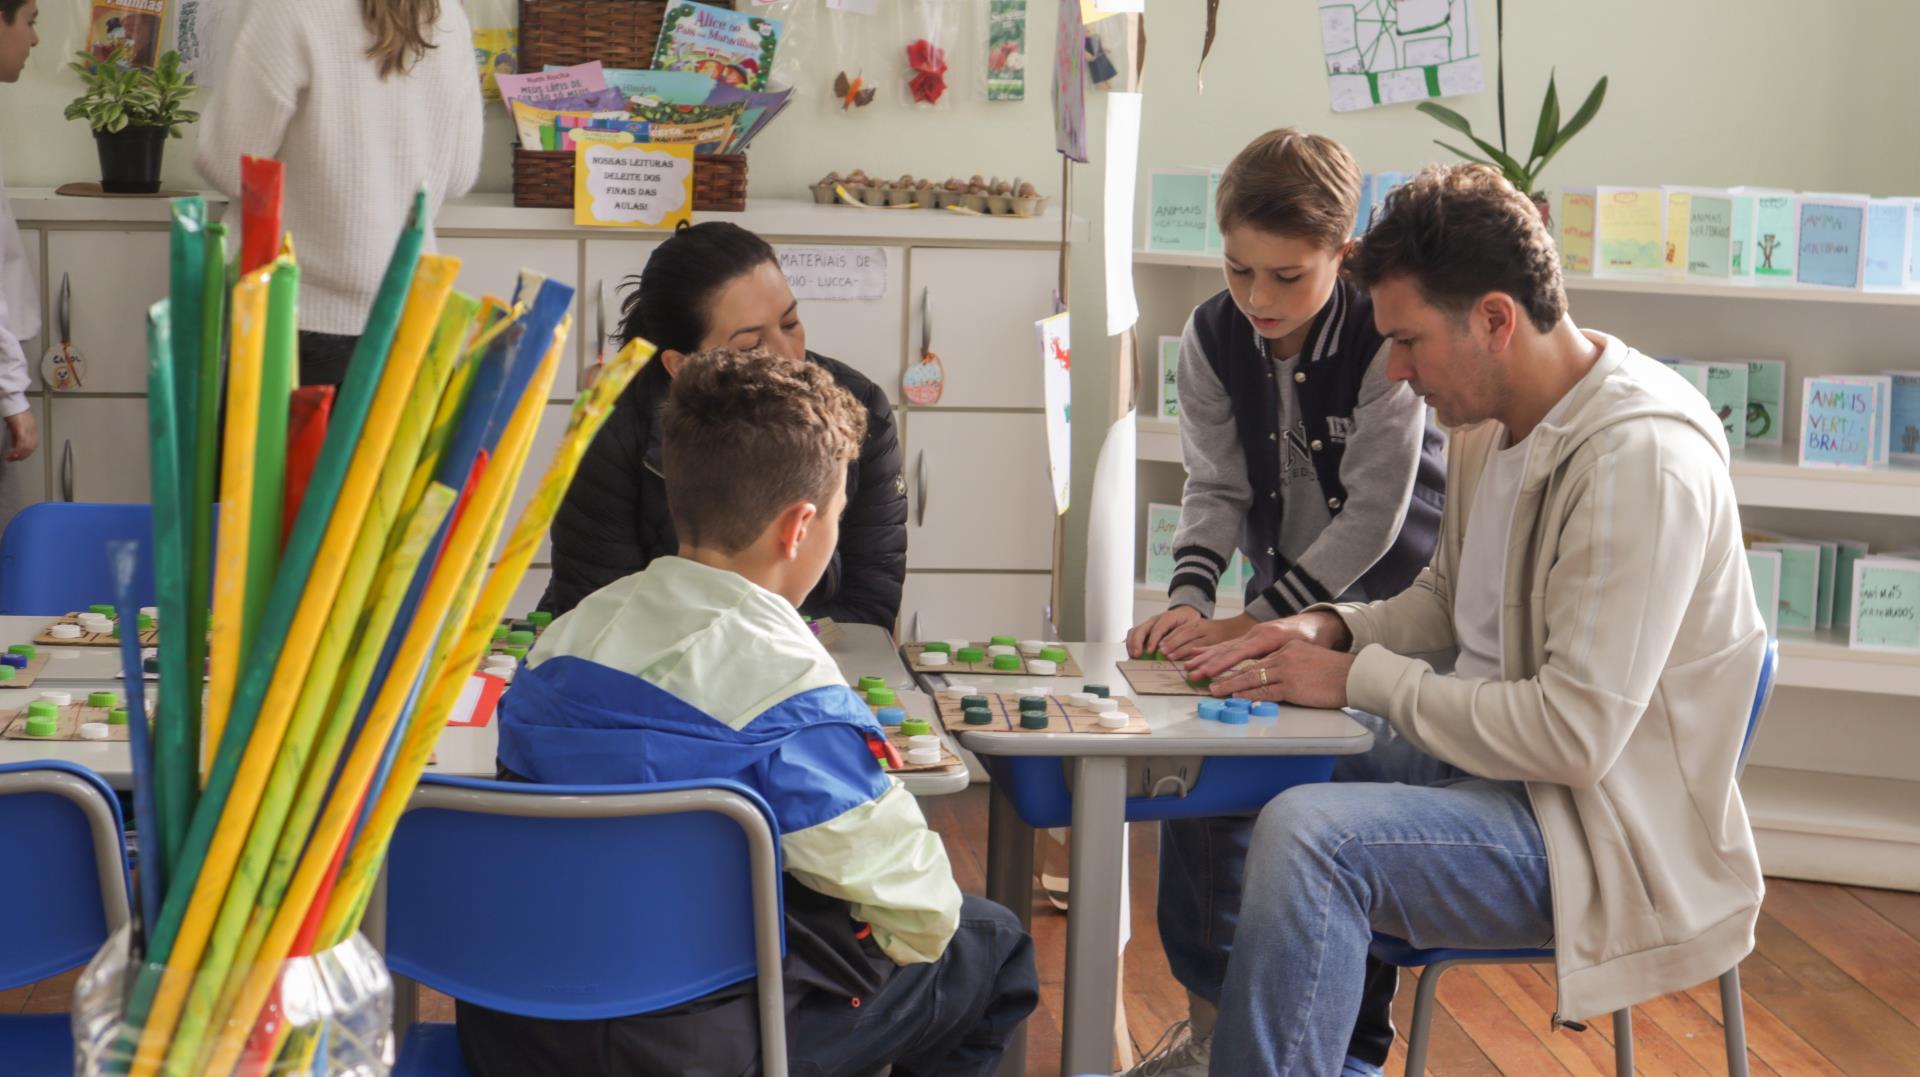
1397, 842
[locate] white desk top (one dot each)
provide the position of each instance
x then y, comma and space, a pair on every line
1177, 728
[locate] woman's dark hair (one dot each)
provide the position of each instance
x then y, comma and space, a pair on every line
667, 303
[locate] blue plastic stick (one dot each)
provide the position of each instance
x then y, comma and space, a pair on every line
124, 557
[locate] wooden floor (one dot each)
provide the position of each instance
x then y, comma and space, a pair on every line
1834, 987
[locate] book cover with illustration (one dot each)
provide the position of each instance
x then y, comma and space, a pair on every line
727, 46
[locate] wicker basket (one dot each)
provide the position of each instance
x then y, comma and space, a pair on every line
618, 33
544, 178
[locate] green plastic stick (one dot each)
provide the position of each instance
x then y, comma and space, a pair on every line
343, 433
270, 448
174, 764
213, 312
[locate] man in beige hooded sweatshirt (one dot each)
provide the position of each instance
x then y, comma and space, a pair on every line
1570, 782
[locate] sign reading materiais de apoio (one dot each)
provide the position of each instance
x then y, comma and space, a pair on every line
643, 185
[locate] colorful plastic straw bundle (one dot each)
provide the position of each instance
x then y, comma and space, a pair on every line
336, 648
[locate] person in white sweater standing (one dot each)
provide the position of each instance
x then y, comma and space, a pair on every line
364, 101
19, 297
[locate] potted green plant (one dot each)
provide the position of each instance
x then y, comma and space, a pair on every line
1549, 136
133, 111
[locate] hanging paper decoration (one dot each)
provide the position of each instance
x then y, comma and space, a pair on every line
929, 64
853, 93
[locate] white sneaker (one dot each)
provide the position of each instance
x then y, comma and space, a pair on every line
1179, 1052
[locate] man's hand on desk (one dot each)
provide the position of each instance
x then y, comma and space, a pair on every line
1301, 673
1319, 629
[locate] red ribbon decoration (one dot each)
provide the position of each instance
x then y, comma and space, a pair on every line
929, 62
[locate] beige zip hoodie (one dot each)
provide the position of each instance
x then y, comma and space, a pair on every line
1630, 628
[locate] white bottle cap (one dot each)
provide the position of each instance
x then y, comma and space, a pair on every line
1031, 647
923, 740
152, 612
923, 757
1081, 699
93, 731
1036, 690
960, 691
1040, 667
999, 649
58, 699
935, 658
1113, 719
66, 630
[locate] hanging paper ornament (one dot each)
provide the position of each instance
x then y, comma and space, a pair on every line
924, 381
929, 64
853, 93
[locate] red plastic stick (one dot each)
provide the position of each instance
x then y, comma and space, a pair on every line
261, 181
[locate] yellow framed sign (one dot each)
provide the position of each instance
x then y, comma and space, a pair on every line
638, 185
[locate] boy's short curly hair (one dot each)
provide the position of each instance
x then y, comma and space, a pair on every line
747, 434
1290, 183
1460, 232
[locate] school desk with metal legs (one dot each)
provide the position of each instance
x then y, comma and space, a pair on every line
1096, 782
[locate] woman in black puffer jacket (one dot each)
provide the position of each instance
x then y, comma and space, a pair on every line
713, 285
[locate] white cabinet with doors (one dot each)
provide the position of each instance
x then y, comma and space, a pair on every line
112, 278
982, 304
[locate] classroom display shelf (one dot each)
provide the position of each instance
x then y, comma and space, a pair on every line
1658, 286
1835, 827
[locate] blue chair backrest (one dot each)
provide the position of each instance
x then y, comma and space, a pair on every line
1762, 695
63, 869
591, 916
53, 557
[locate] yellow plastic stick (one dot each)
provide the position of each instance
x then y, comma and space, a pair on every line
421, 313
343, 808
236, 505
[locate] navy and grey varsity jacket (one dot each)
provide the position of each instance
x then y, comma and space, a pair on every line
1327, 476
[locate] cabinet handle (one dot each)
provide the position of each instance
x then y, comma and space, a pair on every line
920, 489
914, 635
66, 470
926, 321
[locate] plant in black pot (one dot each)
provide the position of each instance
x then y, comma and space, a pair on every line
133, 111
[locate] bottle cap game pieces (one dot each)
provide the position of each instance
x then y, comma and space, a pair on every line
42, 725
42, 708
24, 650
972, 656
117, 716
1004, 641
150, 665
14, 661
105, 700
1040, 667
974, 701
914, 727
6, 673
1210, 709
923, 740
977, 716
1055, 655
868, 684
517, 650
957, 691
500, 631
1100, 690
58, 699
1006, 663
93, 731
1113, 719
1031, 647
1033, 719
934, 658
1266, 710
145, 622
1001, 650
104, 609
540, 618
151, 613
890, 715
936, 647
1080, 699
923, 757
521, 636
881, 696
1238, 704
1233, 716
65, 630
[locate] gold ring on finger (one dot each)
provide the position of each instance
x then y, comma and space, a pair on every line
1263, 676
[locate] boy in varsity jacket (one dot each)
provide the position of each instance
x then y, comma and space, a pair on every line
1305, 457
700, 666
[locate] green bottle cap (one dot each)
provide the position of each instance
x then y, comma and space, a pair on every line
40, 725
145, 622
977, 716
970, 702
540, 618
868, 684
24, 650
500, 630
150, 665
1006, 663
970, 655
1033, 719
522, 637
104, 609
1054, 654
1003, 641
1100, 690
516, 650
1199, 682
117, 716
6, 673
115, 633
937, 647
915, 727
101, 699
881, 696
41, 708
1033, 703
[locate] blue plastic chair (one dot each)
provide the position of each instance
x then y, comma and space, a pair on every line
53, 556
580, 903
1437, 961
64, 887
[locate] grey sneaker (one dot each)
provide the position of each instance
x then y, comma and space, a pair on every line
1179, 1052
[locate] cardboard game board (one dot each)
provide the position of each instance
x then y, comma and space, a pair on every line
1159, 678
1062, 717
24, 678
913, 651
826, 630
148, 637
70, 719
516, 624
917, 705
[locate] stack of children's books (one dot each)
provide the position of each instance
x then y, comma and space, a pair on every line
707, 87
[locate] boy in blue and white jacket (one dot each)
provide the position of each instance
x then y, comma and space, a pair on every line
700, 666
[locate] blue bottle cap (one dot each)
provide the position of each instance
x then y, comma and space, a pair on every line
1267, 710
1238, 704
891, 715
1233, 716
17, 661
1212, 709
